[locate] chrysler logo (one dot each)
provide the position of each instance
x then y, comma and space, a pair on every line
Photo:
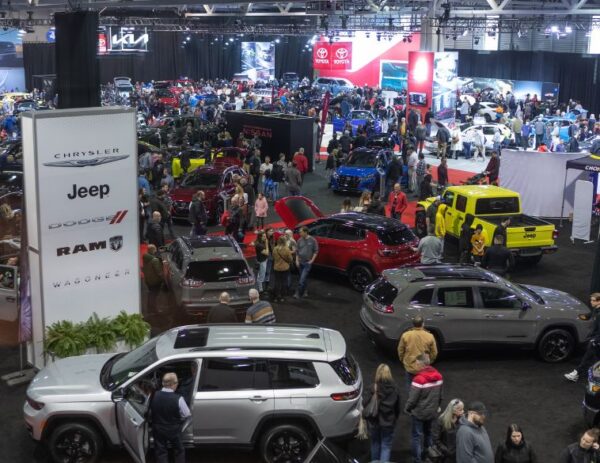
86, 162
322, 53
341, 53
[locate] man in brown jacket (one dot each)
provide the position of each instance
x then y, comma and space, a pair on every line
413, 343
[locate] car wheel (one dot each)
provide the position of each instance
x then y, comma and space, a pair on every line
286, 443
556, 345
360, 276
487, 118
75, 442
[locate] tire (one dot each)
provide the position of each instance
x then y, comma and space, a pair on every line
285, 443
360, 276
556, 345
75, 442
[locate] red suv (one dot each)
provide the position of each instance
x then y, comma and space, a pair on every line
217, 183
356, 244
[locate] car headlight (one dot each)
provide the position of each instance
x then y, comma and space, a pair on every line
335, 175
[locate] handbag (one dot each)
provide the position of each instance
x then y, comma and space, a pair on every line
371, 410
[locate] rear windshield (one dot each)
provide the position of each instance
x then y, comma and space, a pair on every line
217, 270
382, 291
497, 206
396, 236
346, 369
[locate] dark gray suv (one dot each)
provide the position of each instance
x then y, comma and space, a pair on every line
466, 306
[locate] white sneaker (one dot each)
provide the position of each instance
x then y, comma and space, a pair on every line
573, 376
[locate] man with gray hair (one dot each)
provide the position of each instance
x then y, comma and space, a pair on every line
260, 311
169, 412
154, 233
222, 313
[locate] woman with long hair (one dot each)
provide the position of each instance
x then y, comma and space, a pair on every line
282, 259
515, 449
363, 202
346, 205
261, 246
381, 427
443, 430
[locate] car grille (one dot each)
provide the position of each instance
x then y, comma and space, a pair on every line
348, 181
181, 207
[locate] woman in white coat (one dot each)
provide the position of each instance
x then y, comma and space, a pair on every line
456, 144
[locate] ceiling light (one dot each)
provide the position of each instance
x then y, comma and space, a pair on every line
277, 40
568, 29
465, 32
554, 29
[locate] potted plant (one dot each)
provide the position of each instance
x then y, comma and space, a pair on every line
131, 329
100, 335
65, 339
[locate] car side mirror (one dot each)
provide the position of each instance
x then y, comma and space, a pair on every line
525, 306
117, 395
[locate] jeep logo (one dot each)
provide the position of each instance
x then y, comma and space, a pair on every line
529, 236
93, 191
116, 243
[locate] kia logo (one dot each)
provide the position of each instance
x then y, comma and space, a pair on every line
322, 53
341, 53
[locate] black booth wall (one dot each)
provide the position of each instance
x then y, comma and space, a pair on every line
168, 58
577, 75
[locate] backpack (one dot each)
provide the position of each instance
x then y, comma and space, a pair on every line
277, 173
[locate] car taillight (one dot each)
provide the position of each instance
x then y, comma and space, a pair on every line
189, 283
245, 281
555, 234
34, 404
388, 252
339, 396
385, 308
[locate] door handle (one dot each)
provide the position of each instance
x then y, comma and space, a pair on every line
11, 299
258, 399
439, 314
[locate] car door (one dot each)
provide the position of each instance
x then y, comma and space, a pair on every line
321, 231
459, 214
346, 242
131, 421
507, 319
458, 317
233, 396
9, 291
449, 197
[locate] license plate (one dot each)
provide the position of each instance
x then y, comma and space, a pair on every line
532, 252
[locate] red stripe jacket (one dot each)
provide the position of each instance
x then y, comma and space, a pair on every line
425, 396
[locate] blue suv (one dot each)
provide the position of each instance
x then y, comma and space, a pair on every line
358, 118
361, 171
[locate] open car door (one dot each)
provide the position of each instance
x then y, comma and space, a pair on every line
131, 421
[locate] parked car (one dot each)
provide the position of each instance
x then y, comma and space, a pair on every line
198, 270
215, 180
487, 109
227, 156
167, 97
123, 86
358, 118
334, 85
361, 171
527, 237
290, 79
358, 245
275, 388
591, 398
467, 307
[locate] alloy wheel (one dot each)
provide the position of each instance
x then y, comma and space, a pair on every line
287, 447
556, 348
75, 447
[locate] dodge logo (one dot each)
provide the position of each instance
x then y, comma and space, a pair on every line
322, 53
341, 53
116, 242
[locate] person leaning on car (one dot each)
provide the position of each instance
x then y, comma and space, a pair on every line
413, 343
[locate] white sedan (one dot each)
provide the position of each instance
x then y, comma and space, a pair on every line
487, 109
488, 132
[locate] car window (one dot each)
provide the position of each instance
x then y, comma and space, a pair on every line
227, 178
455, 297
422, 297
201, 180
461, 203
233, 374
497, 206
320, 229
347, 233
382, 291
396, 236
488, 130
496, 298
449, 198
214, 271
291, 374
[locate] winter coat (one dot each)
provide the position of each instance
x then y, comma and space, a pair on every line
152, 268
575, 454
197, 214
445, 440
515, 454
376, 208
473, 444
413, 343
155, 235
425, 395
282, 258
388, 403
261, 206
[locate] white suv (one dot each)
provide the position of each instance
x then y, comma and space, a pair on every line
277, 387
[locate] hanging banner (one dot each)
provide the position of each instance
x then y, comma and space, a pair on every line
321, 55
341, 55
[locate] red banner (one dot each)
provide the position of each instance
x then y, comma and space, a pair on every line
321, 55
341, 55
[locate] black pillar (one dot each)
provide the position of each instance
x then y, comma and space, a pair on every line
77, 70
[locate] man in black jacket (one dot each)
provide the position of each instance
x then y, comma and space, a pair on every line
393, 174
376, 206
169, 411
584, 451
593, 342
222, 313
154, 232
498, 258
197, 215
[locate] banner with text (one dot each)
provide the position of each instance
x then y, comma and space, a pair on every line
336, 56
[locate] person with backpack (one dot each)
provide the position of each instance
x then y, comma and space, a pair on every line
381, 409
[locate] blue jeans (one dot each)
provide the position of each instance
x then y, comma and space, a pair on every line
304, 271
381, 442
467, 149
269, 269
262, 269
421, 438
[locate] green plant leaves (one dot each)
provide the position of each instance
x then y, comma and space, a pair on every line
132, 328
100, 334
65, 339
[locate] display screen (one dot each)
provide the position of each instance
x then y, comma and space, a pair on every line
118, 40
258, 60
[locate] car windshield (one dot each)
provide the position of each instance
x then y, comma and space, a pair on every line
201, 181
215, 271
361, 115
130, 364
532, 293
362, 159
396, 236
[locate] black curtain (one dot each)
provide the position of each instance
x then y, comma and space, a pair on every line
38, 59
291, 55
576, 74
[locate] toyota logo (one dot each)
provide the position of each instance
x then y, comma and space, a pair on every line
341, 53
322, 53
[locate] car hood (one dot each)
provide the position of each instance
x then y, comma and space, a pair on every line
558, 299
356, 171
294, 210
71, 377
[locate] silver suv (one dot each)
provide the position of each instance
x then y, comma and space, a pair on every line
198, 270
278, 388
466, 306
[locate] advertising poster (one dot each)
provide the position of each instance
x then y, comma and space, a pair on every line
445, 82
394, 75
83, 212
488, 87
12, 73
420, 81
258, 60
336, 56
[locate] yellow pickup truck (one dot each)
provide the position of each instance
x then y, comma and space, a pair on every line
526, 236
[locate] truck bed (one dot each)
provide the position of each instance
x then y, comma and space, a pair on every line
520, 220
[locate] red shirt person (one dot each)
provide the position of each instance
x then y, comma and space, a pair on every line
397, 202
301, 161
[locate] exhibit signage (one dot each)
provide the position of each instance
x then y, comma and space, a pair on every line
80, 170
332, 56
321, 56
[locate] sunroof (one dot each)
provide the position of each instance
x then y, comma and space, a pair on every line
210, 243
191, 337
451, 272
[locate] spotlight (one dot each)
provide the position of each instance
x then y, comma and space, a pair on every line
231, 39
554, 29
465, 32
277, 40
568, 29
